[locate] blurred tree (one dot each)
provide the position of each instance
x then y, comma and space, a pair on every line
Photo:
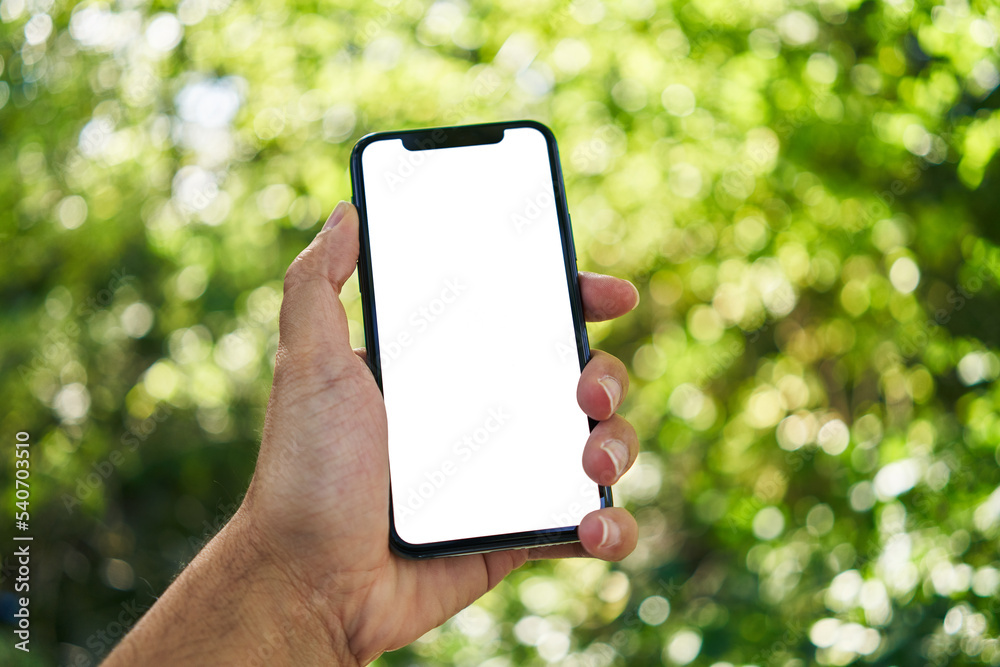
805, 195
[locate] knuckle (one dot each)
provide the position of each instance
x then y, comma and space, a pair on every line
296, 271
303, 268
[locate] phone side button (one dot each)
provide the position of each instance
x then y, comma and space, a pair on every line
572, 241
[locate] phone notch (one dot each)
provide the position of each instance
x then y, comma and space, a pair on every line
452, 137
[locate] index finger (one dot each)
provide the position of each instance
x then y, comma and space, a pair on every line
606, 297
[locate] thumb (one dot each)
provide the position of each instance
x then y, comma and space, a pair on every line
312, 319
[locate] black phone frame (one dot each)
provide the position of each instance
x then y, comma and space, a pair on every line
452, 137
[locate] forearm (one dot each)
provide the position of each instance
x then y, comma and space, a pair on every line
231, 606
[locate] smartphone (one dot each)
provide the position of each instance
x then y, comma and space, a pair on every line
475, 334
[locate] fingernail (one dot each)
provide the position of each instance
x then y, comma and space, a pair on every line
636, 290
336, 216
611, 535
613, 389
618, 453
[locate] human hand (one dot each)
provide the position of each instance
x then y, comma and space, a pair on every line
313, 528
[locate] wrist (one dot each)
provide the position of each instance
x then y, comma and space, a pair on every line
236, 603
288, 621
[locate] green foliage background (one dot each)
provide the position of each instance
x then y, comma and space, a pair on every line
805, 194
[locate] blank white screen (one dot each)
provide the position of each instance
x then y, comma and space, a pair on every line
477, 346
